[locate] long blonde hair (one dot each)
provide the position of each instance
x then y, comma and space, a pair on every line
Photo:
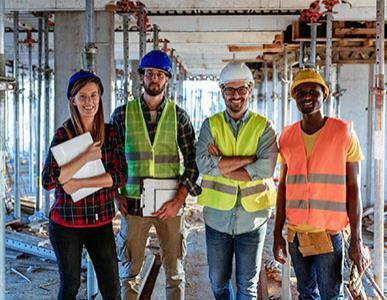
74, 125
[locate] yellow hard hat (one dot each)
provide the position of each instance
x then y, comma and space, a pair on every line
305, 76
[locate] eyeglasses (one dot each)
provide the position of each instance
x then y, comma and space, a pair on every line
159, 75
230, 91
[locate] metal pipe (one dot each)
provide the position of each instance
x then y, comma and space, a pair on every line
379, 147
21, 113
285, 286
338, 92
285, 88
2, 155
328, 65
38, 141
156, 40
31, 118
90, 50
47, 72
313, 42
265, 90
142, 33
301, 58
274, 94
370, 187
125, 20
16, 133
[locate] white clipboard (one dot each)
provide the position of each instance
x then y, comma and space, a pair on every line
155, 193
67, 151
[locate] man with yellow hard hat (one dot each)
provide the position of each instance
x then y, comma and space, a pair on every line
318, 193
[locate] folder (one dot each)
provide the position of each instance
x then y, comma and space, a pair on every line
67, 151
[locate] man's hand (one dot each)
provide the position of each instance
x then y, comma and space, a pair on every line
279, 246
359, 255
122, 203
213, 150
168, 210
71, 186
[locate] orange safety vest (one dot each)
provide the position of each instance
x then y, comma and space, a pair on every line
316, 188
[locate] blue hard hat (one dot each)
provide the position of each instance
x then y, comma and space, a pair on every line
156, 59
82, 74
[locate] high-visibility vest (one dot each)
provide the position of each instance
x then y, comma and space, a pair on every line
146, 160
316, 188
221, 192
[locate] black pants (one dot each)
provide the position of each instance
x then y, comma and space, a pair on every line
99, 242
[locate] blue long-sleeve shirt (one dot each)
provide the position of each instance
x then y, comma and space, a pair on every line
237, 220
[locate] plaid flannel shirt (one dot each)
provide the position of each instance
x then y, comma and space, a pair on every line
96, 209
185, 139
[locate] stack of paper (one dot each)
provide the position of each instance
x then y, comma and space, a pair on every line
70, 149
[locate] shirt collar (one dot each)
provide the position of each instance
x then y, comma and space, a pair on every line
243, 120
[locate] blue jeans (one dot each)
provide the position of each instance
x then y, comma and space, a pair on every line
319, 276
247, 248
99, 242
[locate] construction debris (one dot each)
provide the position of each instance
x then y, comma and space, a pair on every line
21, 275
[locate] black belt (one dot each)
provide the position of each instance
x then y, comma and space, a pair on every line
134, 207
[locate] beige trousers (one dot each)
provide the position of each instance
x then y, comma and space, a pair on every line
131, 247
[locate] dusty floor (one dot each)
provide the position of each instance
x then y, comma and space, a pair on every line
44, 278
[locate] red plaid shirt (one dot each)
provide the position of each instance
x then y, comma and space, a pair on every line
96, 209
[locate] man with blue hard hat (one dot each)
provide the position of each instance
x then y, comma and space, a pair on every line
154, 131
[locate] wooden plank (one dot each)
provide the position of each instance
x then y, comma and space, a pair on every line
236, 48
354, 31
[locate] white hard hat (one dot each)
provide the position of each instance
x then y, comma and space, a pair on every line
235, 71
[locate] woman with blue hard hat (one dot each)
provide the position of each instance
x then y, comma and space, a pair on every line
87, 222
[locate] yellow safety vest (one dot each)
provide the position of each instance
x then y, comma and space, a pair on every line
146, 160
220, 192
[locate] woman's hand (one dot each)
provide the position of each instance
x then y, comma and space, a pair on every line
93, 152
71, 186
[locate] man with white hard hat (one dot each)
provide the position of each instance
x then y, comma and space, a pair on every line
236, 153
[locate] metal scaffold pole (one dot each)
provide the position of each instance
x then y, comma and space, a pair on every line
38, 141
16, 129
47, 78
313, 44
379, 147
2, 156
265, 90
90, 48
125, 26
285, 88
338, 92
31, 106
156, 40
370, 191
274, 94
328, 65
142, 33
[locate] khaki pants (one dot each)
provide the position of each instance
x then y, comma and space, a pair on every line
131, 246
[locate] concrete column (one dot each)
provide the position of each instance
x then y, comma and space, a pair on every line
69, 38
135, 77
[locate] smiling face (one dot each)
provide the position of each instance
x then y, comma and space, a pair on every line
309, 97
236, 96
87, 100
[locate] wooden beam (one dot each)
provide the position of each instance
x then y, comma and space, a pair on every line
236, 48
354, 31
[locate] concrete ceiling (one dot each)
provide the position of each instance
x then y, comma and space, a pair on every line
200, 31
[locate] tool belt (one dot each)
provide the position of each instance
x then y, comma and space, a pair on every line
134, 207
311, 243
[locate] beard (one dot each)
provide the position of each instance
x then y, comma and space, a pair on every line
154, 89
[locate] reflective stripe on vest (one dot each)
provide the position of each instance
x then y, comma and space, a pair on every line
220, 192
146, 160
316, 187
316, 178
